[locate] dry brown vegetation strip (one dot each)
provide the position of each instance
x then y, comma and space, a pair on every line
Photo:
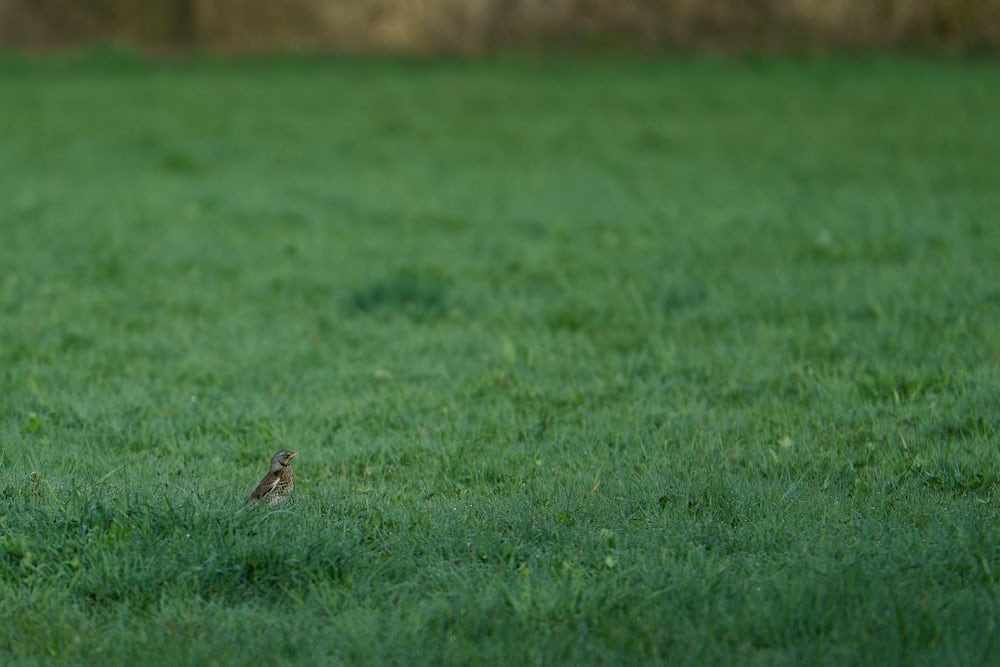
478, 26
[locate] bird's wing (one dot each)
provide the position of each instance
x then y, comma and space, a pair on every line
268, 484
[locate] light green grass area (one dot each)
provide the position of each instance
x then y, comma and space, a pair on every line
588, 362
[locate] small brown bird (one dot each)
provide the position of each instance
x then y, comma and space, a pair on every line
278, 484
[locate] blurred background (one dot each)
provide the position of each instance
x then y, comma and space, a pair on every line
482, 26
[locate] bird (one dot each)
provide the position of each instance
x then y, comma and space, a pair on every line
279, 482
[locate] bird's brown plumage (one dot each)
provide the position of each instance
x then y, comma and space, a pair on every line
279, 483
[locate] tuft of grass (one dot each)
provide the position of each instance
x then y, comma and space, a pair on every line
588, 362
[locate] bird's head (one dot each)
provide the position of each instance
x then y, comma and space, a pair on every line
282, 459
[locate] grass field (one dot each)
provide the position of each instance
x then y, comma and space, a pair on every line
588, 362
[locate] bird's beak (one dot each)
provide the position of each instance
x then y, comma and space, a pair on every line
292, 455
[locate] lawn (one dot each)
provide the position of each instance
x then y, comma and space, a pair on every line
607, 361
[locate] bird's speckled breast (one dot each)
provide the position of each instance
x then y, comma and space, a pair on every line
286, 483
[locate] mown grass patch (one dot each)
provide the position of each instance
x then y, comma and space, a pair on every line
588, 362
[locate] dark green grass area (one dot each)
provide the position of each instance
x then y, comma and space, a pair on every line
588, 362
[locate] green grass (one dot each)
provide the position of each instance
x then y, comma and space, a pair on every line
589, 362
